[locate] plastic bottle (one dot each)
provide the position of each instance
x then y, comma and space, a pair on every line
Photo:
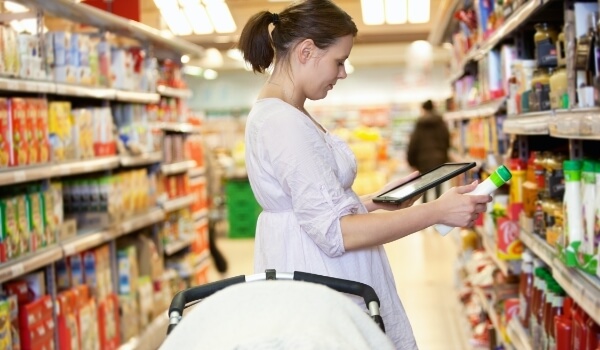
573, 223
597, 211
557, 311
563, 326
492, 183
525, 287
588, 187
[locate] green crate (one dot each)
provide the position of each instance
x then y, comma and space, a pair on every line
242, 209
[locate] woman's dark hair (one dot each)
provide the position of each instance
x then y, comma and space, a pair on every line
427, 105
320, 20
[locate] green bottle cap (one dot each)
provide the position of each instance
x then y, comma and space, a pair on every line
572, 165
597, 167
504, 173
588, 166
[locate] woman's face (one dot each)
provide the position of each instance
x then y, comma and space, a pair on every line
326, 67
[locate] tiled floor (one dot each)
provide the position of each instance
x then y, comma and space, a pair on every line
423, 267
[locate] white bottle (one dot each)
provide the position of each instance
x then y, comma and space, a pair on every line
573, 211
588, 189
492, 183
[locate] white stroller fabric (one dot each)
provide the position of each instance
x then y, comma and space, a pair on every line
278, 314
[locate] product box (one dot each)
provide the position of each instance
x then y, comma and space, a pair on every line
130, 314
10, 51
41, 131
89, 326
77, 270
30, 130
63, 274
128, 270
15, 328
23, 223
509, 246
108, 322
18, 125
5, 326
36, 219
6, 149
68, 327
60, 131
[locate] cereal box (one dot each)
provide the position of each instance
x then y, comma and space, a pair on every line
18, 120
10, 231
30, 127
5, 135
23, 223
5, 327
41, 131
36, 219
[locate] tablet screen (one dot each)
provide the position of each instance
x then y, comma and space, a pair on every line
442, 173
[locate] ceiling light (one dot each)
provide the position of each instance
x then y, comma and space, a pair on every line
185, 59
220, 16
210, 74
235, 54
172, 14
14, 7
193, 70
372, 12
197, 16
418, 11
395, 11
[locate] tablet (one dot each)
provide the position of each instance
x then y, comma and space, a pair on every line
423, 182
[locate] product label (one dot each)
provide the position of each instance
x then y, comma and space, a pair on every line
546, 53
542, 93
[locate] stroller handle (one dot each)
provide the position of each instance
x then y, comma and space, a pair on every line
182, 298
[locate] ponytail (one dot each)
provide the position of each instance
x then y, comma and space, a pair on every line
255, 42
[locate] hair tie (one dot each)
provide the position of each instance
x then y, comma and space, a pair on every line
275, 19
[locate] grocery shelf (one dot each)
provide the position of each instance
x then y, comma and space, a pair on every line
177, 168
178, 127
84, 166
15, 175
91, 16
485, 109
490, 248
196, 172
174, 247
85, 91
518, 17
29, 263
583, 288
488, 306
179, 203
86, 241
173, 92
140, 221
30, 86
202, 260
152, 337
527, 124
518, 335
144, 159
137, 97
560, 135
200, 215
538, 246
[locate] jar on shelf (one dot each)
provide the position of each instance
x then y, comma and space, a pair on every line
539, 99
561, 55
545, 39
559, 98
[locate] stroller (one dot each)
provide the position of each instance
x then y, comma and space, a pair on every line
279, 315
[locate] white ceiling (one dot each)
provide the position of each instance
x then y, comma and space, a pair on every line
374, 45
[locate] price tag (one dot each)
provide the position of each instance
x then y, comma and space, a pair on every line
17, 270
70, 249
13, 85
20, 176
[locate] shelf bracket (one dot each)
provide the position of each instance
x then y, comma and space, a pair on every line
575, 149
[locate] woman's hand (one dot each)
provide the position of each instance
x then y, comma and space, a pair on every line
457, 209
371, 206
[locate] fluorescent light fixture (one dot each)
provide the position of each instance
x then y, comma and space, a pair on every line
212, 58
395, 11
172, 14
14, 7
220, 16
372, 12
193, 70
418, 11
185, 59
197, 16
210, 74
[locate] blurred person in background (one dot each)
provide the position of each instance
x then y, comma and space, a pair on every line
429, 144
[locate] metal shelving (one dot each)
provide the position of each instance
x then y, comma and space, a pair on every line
29, 263
173, 92
139, 221
177, 168
485, 109
87, 241
518, 335
179, 203
144, 159
176, 246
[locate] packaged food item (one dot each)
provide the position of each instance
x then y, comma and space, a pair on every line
18, 125
545, 38
573, 225
6, 149
10, 232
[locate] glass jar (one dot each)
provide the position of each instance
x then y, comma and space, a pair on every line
540, 88
545, 39
559, 98
561, 58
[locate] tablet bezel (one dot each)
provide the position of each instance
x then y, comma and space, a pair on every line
464, 167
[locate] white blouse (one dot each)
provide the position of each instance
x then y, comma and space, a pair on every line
302, 178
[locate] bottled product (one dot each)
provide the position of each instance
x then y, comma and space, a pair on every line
545, 38
597, 211
588, 188
518, 178
559, 99
537, 309
561, 58
547, 312
492, 183
557, 311
525, 287
540, 88
563, 327
530, 188
573, 223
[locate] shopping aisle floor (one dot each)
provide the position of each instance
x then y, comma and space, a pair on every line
423, 265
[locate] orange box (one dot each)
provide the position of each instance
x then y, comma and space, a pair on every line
31, 118
41, 135
5, 135
18, 120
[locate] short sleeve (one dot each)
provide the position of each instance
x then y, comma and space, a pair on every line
304, 164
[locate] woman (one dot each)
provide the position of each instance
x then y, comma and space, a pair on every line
302, 175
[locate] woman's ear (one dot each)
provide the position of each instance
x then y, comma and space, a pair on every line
305, 50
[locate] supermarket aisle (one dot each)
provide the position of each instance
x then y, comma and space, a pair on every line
423, 266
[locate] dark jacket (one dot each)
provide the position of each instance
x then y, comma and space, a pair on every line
429, 143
